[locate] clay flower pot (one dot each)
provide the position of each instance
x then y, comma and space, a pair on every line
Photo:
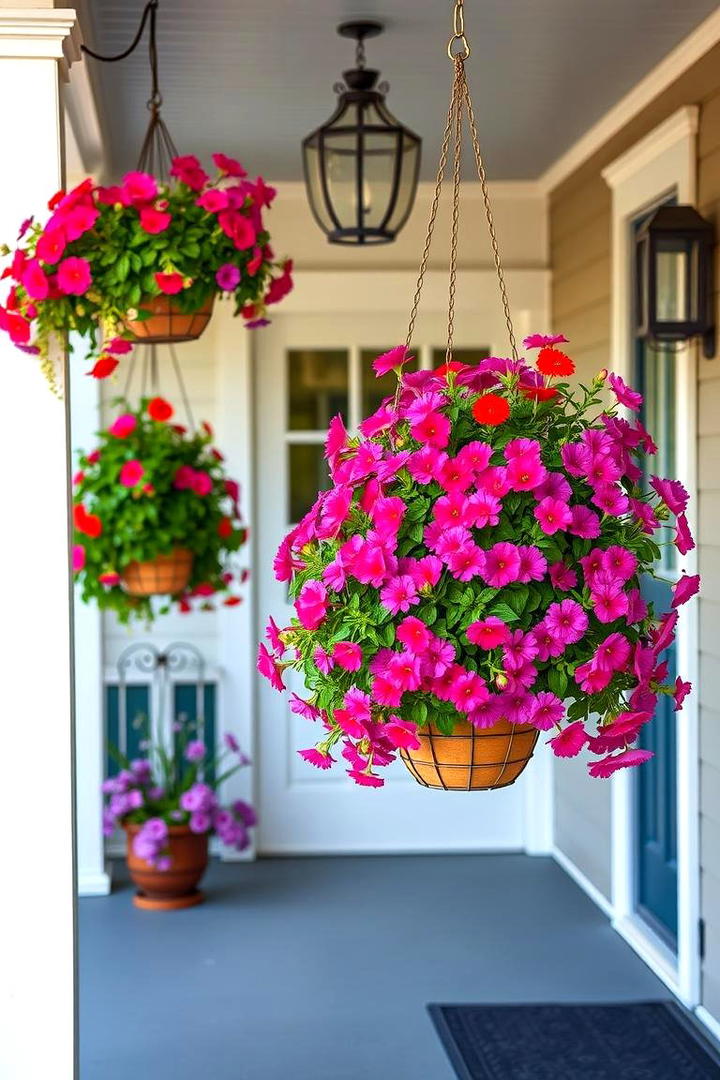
164, 575
167, 323
169, 890
471, 759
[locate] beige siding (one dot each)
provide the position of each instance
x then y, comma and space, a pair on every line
580, 219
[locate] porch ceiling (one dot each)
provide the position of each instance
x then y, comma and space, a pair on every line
253, 77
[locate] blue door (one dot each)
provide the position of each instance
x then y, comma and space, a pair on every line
656, 782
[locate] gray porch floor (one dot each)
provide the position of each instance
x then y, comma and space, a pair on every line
320, 968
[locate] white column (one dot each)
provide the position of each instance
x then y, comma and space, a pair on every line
237, 642
37, 991
93, 878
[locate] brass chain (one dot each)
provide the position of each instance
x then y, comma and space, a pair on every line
454, 226
445, 149
460, 98
489, 215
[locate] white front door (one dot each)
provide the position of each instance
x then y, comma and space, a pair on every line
308, 368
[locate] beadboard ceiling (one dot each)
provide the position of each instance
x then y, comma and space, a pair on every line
252, 77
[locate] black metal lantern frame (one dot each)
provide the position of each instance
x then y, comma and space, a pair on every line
361, 167
674, 277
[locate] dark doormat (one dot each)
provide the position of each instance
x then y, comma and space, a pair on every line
634, 1041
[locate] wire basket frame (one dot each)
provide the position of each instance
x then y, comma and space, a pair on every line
471, 759
167, 323
165, 575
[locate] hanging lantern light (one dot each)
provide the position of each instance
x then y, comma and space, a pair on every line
674, 298
361, 167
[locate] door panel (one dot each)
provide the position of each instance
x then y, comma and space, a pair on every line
301, 809
656, 877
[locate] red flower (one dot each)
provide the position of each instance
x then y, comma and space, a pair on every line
491, 409
228, 165
56, 199
51, 245
170, 283
553, 362
444, 369
17, 327
159, 409
90, 524
232, 601
104, 366
225, 528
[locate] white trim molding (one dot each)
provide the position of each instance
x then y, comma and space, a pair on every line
40, 34
662, 164
709, 1021
703, 38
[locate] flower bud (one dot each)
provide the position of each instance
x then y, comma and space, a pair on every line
501, 681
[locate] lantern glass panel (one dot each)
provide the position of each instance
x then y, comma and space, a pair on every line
676, 279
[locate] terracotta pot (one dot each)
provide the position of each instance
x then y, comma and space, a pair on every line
168, 890
167, 323
164, 575
471, 759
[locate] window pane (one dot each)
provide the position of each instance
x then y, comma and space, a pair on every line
463, 356
317, 387
374, 390
308, 473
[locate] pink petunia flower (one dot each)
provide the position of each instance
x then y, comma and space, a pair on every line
637, 608
34, 280
392, 360
446, 541
525, 472
684, 589
548, 644
681, 691
672, 493
613, 653
455, 476
401, 733
123, 426
347, 655
139, 187
425, 465
154, 221
575, 458
399, 594
645, 515
403, 670
543, 341
625, 394
619, 562
312, 604
424, 572
475, 457
683, 539
486, 715
546, 711
303, 708
554, 485
467, 562
268, 667
468, 692
627, 759
170, 283
272, 633
562, 576
552, 515
568, 620
78, 558
533, 564
570, 741
387, 515
519, 649
73, 276
611, 500
609, 601
365, 779
321, 759
414, 634
592, 679
602, 470
323, 661
131, 473
228, 277
502, 565
584, 523
433, 430
488, 633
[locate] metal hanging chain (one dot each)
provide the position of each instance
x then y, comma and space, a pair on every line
150, 380
444, 152
158, 148
457, 151
458, 50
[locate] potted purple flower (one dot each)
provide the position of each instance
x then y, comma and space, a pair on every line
167, 803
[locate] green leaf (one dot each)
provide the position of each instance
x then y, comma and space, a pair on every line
504, 612
557, 681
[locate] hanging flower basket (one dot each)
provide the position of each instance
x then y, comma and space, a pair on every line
166, 323
164, 575
473, 577
155, 515
145, 259
470, 759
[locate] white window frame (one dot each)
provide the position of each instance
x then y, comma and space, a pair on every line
663, 163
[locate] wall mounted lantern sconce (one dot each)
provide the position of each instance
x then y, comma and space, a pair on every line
361, 167
674, 274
